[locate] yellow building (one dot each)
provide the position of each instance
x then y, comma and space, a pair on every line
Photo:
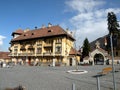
50, 45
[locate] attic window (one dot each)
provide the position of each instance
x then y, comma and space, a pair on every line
25, 34
32, 34
49, 30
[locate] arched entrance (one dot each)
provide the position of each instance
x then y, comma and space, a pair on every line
98, 59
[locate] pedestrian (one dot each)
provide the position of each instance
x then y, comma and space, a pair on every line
0, 63
118, 61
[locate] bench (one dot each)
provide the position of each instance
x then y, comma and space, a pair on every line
105, 71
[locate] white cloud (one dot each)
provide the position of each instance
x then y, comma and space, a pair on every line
115, 10
1, 40
90, 20
84, 5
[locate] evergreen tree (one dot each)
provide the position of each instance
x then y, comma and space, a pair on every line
113, 28
86, 48
112, 23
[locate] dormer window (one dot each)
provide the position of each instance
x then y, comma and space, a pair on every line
32, 34
25, 34
49, 30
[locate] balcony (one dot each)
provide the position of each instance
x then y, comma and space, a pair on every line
47, 54
22, 54
23, 48
30, 47
39, 54
58, 53
30, 54
13, 54
26, 54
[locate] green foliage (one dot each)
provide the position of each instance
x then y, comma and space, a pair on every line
86, 48
112, 23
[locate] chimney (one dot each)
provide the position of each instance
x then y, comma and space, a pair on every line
67, 29
71, 33
49, 24
35, 27
26, 30
43, 26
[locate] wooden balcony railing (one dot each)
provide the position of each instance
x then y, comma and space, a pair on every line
39, 54
58, 53
13, 54
36, 54
22, 54
47, 54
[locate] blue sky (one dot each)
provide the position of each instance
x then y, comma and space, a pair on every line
86, 18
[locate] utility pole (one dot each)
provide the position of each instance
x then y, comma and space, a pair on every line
113, 26
113, 68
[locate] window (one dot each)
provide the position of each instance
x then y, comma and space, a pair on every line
49, 30
48, 41
32, 34
116, 53
15, 46
59, 40
15, 49
39, 50
39, 44
58, 49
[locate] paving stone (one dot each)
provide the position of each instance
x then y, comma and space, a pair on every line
56, 78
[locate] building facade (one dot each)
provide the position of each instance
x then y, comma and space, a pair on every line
4, 58
46, 46
101, 50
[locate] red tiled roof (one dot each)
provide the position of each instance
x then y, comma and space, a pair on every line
19, 31
74, 52
4, 55
43, 32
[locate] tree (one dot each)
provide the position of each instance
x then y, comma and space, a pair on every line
113, 29
86, 48
112, 23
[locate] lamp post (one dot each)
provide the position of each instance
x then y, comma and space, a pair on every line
76, 61
113, 68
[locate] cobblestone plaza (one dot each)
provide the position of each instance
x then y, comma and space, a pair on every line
56, 78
